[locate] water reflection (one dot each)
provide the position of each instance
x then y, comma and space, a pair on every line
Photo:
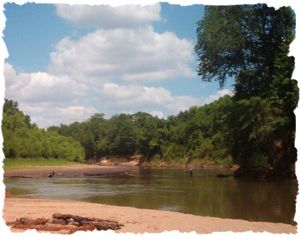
172, 190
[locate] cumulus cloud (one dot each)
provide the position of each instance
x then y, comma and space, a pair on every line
217, 95
48, 99
55, 114
129, 54
157, 101
158, 114
148, 99
52, 99
108, 17
40, 86
106, 70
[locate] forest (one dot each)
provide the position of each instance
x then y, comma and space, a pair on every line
193, 135
23, 139
255, 128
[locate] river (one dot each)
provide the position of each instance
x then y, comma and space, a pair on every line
171, 189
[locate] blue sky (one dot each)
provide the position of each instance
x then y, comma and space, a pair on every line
66, 63
31, 32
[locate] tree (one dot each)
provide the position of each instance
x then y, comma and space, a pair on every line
148, 138
23, 139
250, 43
243, 42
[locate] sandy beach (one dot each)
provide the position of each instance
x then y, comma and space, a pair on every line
136, 220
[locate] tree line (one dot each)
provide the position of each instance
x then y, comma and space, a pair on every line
195, 134
23, 139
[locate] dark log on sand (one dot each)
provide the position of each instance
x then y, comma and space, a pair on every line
65, 223
28, 221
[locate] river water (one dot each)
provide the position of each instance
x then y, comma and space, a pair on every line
173, 190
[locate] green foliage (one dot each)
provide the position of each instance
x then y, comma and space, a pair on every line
243, 41
196, 134
220, 43
174, 152
250, 43
21, 163
250, 131
23, 139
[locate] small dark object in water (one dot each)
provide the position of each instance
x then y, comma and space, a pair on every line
222, 175
190, 171
51, 174
128, 173
17, 176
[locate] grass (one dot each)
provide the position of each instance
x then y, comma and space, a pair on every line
21, 163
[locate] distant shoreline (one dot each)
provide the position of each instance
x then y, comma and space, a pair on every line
70, 170
136, 220
99, 168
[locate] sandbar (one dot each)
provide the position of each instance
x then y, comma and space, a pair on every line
136, 220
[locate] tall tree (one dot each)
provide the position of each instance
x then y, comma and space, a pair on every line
250, 43
243, 42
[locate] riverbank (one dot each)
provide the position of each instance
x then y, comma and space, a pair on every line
137, 161
26, 163
135, 220
103, 167
74, 170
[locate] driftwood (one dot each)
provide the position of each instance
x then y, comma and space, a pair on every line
65, 223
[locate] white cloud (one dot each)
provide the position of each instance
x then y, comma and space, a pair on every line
48, 99
217, 95
40, 86
104, 70
51, 99
157, 101
158, 114
148, 99
108, 17
140, 93
128, 54
57, 114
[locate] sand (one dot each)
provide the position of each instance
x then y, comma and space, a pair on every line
135, 220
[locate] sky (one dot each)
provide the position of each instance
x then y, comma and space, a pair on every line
67, 63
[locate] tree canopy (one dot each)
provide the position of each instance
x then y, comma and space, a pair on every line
198, 134
244, 42
23, 139
250, 43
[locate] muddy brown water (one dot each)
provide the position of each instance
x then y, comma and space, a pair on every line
203, 193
